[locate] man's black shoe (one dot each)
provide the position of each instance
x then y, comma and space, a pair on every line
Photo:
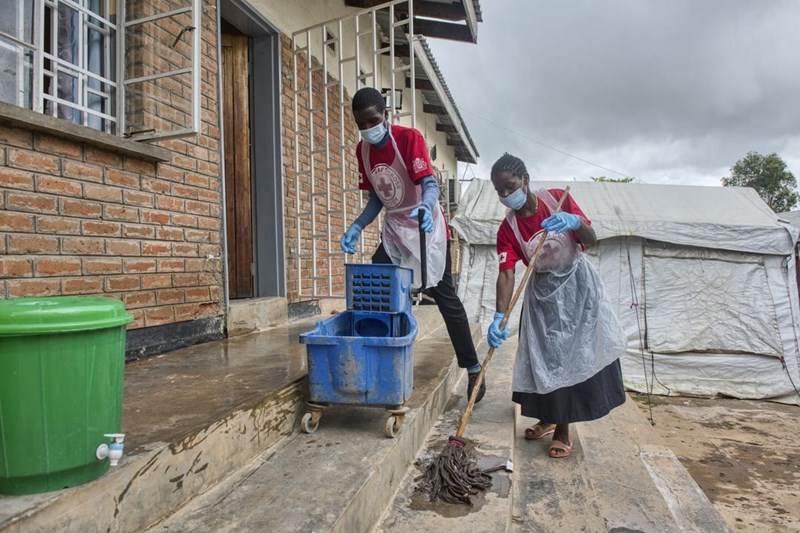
471, 385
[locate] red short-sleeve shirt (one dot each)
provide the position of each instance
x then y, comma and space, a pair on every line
411, 145
509, 250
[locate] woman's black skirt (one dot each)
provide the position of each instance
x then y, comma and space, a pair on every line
589, 400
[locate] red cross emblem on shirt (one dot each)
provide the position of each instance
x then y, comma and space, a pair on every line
387, 188
389, 185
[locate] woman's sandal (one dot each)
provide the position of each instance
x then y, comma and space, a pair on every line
560, 450
539, 431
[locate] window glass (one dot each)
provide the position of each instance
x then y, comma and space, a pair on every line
16, 74
17, 19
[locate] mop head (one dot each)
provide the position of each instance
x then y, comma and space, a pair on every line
453, 476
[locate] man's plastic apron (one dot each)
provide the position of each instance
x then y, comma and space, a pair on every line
400, 235
568, 331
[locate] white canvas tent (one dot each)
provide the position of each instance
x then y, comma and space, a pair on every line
792, 217
703, 279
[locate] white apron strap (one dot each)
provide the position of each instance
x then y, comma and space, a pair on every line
527, 246
400, 234
511, 218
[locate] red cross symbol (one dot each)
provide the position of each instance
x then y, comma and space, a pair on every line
386, 188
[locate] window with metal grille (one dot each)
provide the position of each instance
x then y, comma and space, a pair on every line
16, 52
125, 67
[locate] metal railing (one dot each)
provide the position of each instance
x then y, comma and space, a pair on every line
371, 37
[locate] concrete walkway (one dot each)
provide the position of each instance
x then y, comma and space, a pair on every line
194, 416
617, 479
190, 417
337, 479
222, 452
491, 431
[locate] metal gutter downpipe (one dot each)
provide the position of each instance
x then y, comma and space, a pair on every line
224, 239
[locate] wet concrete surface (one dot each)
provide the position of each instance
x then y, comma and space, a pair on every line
171, 395
618, 478
191, 417
335, 479
551, 495
491, 434
181, 392
196, 415
742, 453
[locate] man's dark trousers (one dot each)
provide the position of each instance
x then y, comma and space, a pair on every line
455, 318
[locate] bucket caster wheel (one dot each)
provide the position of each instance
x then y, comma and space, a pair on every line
392, 426
310, 421
395, 422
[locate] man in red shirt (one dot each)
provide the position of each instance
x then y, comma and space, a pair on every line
395, 168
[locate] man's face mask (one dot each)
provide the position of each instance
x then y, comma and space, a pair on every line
375, 134
516, 199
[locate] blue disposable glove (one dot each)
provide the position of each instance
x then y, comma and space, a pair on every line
496, 336
427, 217
561, 222
350, 239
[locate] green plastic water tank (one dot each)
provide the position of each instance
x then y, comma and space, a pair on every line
61, 366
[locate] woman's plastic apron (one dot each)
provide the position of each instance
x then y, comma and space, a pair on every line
568, 331
400, 235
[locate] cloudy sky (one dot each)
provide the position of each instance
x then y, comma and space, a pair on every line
667, 91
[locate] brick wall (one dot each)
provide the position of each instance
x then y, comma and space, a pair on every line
75, 219
323, 203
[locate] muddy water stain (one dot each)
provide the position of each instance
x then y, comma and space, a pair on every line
501, 487
744, 460
421, 502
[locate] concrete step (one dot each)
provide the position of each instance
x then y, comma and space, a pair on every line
191, 417
337, 479
617, 479
690, 507
624, 492
628, 466
491, 428
251, 315
550, 497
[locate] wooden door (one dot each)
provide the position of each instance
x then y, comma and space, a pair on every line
238, 176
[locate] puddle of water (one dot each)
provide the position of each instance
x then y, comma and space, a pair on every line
420, 502
501, 486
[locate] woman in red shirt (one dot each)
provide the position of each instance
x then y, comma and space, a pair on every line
567, 365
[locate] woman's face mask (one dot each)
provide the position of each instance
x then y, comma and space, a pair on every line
375, 134
516, 199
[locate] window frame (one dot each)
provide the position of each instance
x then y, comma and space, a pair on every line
21, 47
115, 37
195, 8
80, 69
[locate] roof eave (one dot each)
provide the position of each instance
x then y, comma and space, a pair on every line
471, 18
468, 153
454, 20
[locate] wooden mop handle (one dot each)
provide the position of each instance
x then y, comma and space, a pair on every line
462, 427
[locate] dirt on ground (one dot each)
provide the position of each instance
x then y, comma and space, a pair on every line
744, 454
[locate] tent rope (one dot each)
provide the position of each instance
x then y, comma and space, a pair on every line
789, 375
796, 345
651, 381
